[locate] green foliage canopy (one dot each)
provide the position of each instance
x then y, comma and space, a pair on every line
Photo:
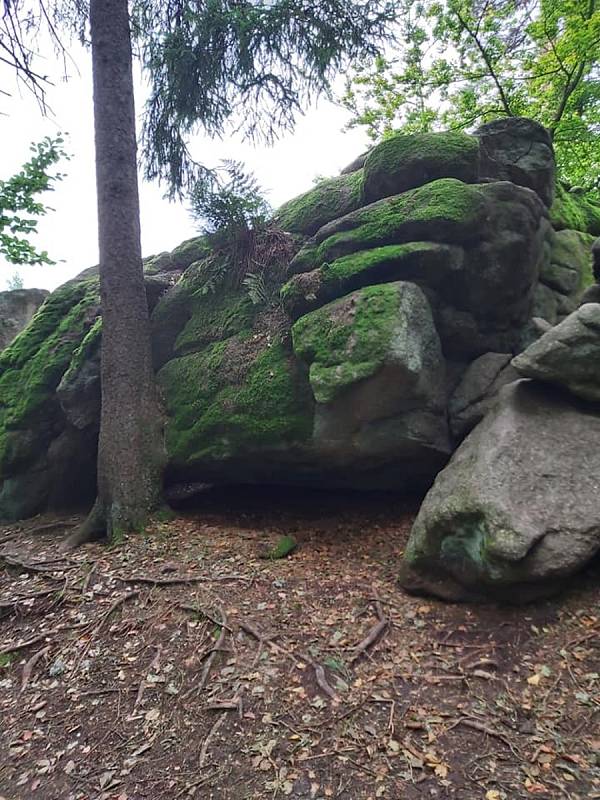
20, 206
465, 62
242, 65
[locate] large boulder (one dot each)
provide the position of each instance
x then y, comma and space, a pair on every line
17, 308
477, 249
367, 410
515, 512
380, 306
402, 162
520, 150
567, 355
477, 390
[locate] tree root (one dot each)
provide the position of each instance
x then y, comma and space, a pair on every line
91, 529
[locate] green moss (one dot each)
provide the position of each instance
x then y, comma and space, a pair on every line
5, 660
575, 211
218, 414
190, 251
330, 199
215, 317
32, 367
347, 340
411, 259
89, 346
445, 210
284, 547
404, 161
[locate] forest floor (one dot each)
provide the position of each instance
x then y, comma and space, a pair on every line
182, 664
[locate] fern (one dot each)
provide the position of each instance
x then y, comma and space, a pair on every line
258, 291
232, 203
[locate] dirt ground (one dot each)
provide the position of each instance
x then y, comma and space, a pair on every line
183, 664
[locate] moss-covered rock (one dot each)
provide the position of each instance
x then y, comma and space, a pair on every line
354, 393
31, 418
405, 161
188, 252
387, 326
330, 199
232, 401
515, 512
424, 262
575, 210
568, 269
445, 210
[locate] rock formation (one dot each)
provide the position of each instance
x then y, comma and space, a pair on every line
379, 323
17, 307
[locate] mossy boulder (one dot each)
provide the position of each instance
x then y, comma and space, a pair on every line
445, 210
17, 308
345, 382
519, 150
515, 512
351, 339
35, 438
568, 269
232, 402
329, 199
430, 263
377, 373
404, 161
575, 210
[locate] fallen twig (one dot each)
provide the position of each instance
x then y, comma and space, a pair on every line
320, 677
197, 610
218, 646
373, 634
154, 667
118, 602
482, 728
204, 750
12, 648
228, 705
177, 579
29, 666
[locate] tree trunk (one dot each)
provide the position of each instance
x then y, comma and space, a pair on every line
130, 451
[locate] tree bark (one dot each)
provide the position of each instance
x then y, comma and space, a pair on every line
130, 449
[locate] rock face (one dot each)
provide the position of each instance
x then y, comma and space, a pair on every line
515, 512
568, 355
17, 307
519, 150
380, 321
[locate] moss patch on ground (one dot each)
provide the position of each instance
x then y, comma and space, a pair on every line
347, 340
404, 161
330, 199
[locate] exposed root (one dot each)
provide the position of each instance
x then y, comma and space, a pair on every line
375, 632
91, 529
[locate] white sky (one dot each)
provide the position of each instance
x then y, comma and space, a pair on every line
69, 233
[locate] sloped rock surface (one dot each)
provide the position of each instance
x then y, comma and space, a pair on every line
515, 512
519, 150
568, 355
